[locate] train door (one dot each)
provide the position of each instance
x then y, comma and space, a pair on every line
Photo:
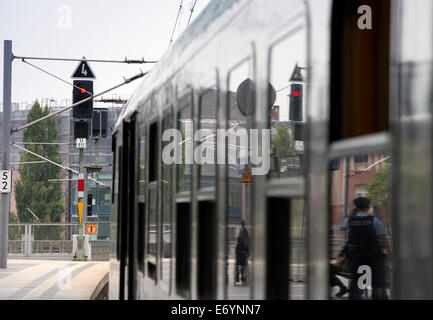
140, 225
183, 217
131, 208
166, 203
412, 100
285, 228
205, 155
114, 281
152, 217
361, 157
126, 210
238, 200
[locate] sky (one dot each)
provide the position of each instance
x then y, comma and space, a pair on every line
96, 29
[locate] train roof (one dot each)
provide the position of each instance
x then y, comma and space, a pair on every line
178, 54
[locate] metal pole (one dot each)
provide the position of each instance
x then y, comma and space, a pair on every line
79, 255
6, 197
346, 188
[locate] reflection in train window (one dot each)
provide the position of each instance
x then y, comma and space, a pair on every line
286, 103
359, 70
207, 145
238, 207
360, 229
183, 197
141, 203
152, 209
166, 203
286, 100
185, 126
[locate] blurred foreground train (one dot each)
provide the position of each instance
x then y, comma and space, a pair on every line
346, 89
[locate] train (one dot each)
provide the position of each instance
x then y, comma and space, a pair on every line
268, 118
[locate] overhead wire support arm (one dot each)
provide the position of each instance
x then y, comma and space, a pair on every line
53, 75
141, 74
128, 61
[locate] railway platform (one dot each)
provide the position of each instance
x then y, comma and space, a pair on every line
25, 279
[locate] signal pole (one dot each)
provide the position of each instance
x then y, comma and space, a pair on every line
6, 197
79, 255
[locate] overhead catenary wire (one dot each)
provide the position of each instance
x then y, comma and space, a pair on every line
53, 75
57, 164
128, 61
192, 10
175, 24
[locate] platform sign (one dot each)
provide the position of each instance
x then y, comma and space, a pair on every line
81, 143
91, 228
5, 184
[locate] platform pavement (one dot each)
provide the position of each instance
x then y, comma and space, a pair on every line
51, 279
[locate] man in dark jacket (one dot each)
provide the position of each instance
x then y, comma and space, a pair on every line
366, 246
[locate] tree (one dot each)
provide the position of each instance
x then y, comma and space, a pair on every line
283, 142
14, 232
379, 190
33, 190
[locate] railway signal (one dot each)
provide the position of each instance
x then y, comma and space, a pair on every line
296, 97
82, 89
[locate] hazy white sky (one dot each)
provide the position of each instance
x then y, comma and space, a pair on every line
99, 29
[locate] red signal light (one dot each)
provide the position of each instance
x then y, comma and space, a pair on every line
296, 93
83, 90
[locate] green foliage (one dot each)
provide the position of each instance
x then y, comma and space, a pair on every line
14, 231
379, 189
33, 190
283, 142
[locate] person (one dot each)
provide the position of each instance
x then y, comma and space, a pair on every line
242, 253
366, 245
334, 270
339, 269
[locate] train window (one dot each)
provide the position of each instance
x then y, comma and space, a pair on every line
153, 152
114, 185
141, 202
286, 215
152, 211
141, 169
183, 197
185, 126
152, 230
238, 186
359, 70
206, 157
286, 104
361, 229
207, 144
166, 209
116, 197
